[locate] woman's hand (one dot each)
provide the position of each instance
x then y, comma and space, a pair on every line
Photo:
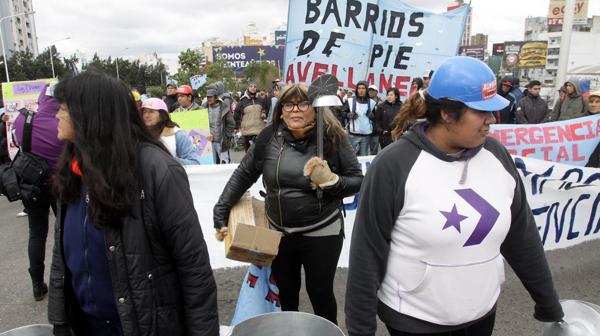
221, 233
319, 172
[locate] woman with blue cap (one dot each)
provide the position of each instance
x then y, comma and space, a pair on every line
428, 257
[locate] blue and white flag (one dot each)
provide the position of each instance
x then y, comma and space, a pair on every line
259, 295
386, 42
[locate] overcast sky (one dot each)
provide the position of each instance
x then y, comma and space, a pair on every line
131, 28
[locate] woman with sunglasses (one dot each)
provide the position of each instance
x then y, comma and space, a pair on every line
285, 154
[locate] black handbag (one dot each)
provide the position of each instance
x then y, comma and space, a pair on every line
27, 175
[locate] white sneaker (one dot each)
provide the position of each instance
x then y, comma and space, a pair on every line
22, 214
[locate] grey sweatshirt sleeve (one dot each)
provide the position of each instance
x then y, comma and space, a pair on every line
381, 199
524, 252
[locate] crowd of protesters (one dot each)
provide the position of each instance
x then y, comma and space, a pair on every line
129, 256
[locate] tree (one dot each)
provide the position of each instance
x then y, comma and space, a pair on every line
221, 71
189, 65
263, 73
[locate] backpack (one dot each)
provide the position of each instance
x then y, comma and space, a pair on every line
27, 175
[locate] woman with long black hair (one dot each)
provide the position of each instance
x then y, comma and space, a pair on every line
129, 256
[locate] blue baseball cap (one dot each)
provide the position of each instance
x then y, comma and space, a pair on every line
469, 81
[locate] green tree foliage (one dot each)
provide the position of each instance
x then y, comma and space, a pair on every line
263, 73
189, 65
221, 71
22, 66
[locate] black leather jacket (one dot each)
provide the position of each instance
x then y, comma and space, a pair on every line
161, 276
290, 202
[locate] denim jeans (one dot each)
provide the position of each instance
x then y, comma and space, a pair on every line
373, 144
360, 143
219, 157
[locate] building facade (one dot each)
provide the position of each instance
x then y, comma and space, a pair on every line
18, 33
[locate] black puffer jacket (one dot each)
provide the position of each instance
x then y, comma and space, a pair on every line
161, 276
290, 201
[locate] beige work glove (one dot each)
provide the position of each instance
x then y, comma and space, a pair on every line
221, 233
319, 173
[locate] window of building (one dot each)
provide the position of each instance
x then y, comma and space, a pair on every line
27, 24
29, 35
19, 20
20, 31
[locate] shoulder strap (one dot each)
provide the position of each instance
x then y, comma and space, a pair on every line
27, 130
353, 105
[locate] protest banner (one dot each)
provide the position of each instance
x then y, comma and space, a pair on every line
386, 43
17, 95
195, 124
570, 141
239, 57
198, 81
563, 198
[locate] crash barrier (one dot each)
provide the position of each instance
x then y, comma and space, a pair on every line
30, 330
581, 319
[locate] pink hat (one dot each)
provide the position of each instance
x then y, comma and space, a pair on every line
155, 104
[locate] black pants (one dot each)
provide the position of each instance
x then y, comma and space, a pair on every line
95, 327
481, 328
319, 256
37, 215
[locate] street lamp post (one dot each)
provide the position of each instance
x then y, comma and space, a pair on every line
2, 39
51, 56
117, 64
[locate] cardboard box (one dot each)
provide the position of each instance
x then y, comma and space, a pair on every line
250, 238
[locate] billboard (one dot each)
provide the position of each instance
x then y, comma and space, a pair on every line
239, 57
280, 37
531, 54
473, 51
556, 12
386, 43
498, 49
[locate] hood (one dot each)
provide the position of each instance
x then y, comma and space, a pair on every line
366, 88
416, 135
576, 84
47, 105
247, 95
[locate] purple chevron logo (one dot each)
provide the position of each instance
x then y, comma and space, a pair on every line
489, 215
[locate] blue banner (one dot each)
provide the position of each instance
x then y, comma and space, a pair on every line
239, 57
259, 295
570, 141
386, 42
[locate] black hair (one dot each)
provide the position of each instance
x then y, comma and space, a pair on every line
165, 121
419, 82
533, 83
107, 131
395, 91
434, 108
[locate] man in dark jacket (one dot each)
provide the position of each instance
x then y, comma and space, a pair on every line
171, 98
250, 114
532, 109
507, 114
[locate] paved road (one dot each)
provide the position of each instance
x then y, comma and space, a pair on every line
576, 271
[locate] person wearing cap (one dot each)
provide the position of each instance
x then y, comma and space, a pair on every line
440, 210
222, 126
572, 106
426, 78
285, 155
158, 121
594, 103
185, 99
171, 97
250, 114
359, 119
507, 114
532, 109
